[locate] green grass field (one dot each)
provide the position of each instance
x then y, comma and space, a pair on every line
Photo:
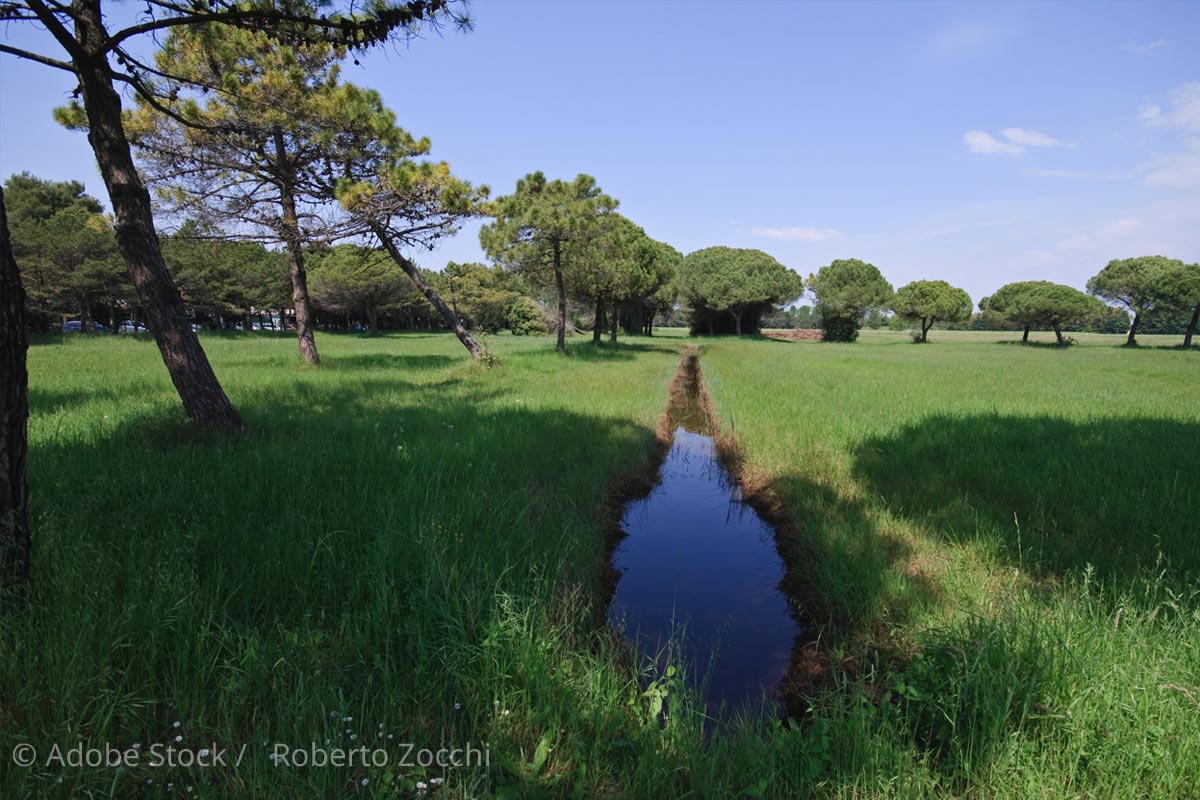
1000, 543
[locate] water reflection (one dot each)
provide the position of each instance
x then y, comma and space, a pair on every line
697, 556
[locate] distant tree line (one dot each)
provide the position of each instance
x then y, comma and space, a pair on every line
1149, 294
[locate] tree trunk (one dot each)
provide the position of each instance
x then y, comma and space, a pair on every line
614, 319
925, 331
1131, 340
410, 269
291, 233
203, 398
14, 415
598, 325
1191, 328
650, 324
561, 346
1058, 335
737, 321
1025, 336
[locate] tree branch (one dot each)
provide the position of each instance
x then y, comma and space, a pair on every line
41, 59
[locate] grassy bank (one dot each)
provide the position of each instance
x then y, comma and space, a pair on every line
405, 545
1003, 546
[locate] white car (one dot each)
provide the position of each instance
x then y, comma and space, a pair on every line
129, 326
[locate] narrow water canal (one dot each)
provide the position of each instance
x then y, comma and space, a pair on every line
698, 559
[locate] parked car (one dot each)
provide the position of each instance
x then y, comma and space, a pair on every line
129, 326
76, 326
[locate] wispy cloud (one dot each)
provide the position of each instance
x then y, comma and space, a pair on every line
1073, 174
1183, 109
984, 144
799, 234
1144, 47
1030, 138
1179, 171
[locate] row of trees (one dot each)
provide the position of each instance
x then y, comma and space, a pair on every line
850, 291
70, 263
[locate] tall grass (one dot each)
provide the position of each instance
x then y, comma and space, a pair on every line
405, 545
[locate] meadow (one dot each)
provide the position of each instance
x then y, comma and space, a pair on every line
997, 546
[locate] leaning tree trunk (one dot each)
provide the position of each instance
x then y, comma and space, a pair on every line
1058, 335
203, 398
14, 415
430, 293
1191, 328
1131, 340
561, 345
291, 232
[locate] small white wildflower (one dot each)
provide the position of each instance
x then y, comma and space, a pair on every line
436, 781
381, 725
203, 752
136, 745
353, 736
347, 719
175, 724
365, 781
333, 713
170, 786
391, 736
457, 706
179, 738
422, 786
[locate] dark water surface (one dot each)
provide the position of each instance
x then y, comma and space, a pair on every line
697, 556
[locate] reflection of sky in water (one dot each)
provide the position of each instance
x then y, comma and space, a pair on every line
696, 555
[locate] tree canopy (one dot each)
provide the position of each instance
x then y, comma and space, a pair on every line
1179, 291
928, 302
1136, 283
846, 291
730, 288
543, 229
1041, 304
101, 57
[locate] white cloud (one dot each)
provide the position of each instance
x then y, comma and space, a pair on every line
1144, 47
985, 144
1183, 111
799, 234
1030, 138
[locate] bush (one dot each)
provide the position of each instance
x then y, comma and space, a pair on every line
525, 317
839, 328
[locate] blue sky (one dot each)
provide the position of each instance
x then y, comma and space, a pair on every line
978, 143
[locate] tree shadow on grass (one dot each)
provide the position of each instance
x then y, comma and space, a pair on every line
359, 549
604, 351
1050, 494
